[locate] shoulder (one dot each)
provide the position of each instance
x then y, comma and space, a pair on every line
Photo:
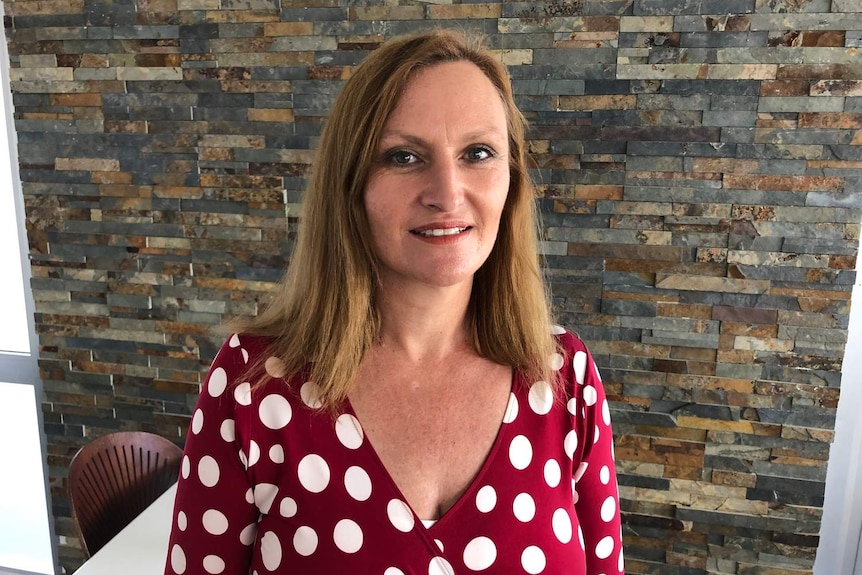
574, 362
567, 341
243, 362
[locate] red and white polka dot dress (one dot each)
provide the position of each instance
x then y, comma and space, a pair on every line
270, 485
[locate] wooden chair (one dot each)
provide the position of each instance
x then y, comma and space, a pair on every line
115, 477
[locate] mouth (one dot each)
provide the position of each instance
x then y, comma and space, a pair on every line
437, 232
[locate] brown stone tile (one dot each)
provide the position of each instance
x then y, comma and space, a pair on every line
823, 38
288, 29
819, 72
458, 11
683, 472
598, 102
788, 183
158, 60
828, 121
837, 88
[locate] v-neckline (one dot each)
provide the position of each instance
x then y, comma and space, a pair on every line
472, 486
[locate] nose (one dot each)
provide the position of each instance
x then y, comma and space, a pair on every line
445, 185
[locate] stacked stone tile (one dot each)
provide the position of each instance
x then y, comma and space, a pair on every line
699, 167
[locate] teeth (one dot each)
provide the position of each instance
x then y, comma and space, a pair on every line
442, 232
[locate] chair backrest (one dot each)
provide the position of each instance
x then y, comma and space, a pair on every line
115, 477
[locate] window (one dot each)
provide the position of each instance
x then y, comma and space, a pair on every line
25, 527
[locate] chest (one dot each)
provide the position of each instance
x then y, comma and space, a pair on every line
349, 494
433, 431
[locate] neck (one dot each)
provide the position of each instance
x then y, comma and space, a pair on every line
424, 323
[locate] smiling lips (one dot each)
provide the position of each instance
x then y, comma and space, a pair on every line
435, 232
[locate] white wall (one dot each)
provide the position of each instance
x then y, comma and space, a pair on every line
842, 510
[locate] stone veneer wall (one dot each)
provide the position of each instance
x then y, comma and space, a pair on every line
699, 166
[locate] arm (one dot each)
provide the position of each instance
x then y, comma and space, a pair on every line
596, 493
214, 519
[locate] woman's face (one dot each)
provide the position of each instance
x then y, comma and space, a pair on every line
440, 179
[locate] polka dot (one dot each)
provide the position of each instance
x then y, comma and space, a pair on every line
400, 515
242, 393
596, 435
287, 507
270, 551
264, 495
276, 453
393, 571
213, 564
533, 560
520, 452
605, 475
249, 496
606, 412
609, 509
511, 409
557, 330
214, 522
349, 431
572, 406
570, 443
439, 545
208, 471
440, 566
605, 547
581, 538
556, 361
620, 562
274, 411
182, 521
479, 554
562, 525
357, 483
541, 398
178, 560
347, 536
275, 367
197, 421
590, 396
243, 458
186, 467
579, 363
524, 507
313, 473
248, 533
217, 382
244, 355
234, 341
227, 430
305, 541
253, 453
310, 395
486, 499
579, 472
553, 473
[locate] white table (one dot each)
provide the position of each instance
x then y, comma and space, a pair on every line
141, 547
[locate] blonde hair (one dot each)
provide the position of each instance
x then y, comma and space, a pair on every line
323, 318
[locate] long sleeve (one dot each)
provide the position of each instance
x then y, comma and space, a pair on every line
594, 476
214, 519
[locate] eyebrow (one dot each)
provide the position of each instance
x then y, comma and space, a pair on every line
476, 135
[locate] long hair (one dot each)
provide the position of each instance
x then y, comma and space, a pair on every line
323, 317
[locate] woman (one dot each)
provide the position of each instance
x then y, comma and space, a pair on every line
395, 410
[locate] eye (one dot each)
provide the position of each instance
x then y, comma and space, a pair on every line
479, 154
402, 158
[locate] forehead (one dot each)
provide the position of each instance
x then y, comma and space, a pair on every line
449, 94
